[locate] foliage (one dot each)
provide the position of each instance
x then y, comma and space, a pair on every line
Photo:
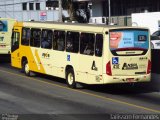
74, 12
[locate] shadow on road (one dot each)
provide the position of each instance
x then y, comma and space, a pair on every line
136, 88
155, 58
5, 58
121, 89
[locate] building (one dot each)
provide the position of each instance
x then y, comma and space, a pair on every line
47, 10
24, 10
121, 10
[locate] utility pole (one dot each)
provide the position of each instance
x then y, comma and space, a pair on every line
109, 12
60, 10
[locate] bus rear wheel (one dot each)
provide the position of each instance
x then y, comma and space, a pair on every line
70, 77
25, 68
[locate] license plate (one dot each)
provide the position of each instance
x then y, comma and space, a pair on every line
130, 79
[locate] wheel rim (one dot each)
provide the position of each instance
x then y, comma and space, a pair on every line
70, 78
26, 68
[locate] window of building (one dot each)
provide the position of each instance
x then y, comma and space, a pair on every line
50, 4
35, 37
25, 36
59, 40
87, 43
37, 6
72, 42
46, 39
24, 6
31, 6
99, 45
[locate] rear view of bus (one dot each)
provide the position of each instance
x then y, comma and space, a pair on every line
129, 58
6, 26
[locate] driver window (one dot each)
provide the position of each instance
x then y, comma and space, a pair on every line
15, 40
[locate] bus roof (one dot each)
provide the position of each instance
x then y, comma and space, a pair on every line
99, 28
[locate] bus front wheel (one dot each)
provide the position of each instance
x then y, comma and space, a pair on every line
70, 77
25, 68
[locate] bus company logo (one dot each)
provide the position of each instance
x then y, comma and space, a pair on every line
68, 58
115, 60
143, 58
45, 55
131, 66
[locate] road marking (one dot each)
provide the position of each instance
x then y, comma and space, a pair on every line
86, 93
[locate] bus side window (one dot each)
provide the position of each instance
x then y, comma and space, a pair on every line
25, 36
50, 38
46, 39
35, 37
72, 42
55, 35
99, 45
59, 40
87, 43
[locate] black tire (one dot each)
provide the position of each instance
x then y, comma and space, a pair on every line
24, 68
70, 77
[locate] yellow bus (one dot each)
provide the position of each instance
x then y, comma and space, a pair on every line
81, 53
6, 26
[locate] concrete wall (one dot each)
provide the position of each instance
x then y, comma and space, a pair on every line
13, 9
97, 10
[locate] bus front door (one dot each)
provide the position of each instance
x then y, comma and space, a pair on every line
15, 54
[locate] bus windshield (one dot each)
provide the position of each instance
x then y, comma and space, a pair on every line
3, 26
129, 41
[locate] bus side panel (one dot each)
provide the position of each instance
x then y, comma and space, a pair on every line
33, 57
90, 69
15, 59
58, 63
106, 57
49, 62
43, 58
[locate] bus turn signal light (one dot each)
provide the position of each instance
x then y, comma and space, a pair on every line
149, 67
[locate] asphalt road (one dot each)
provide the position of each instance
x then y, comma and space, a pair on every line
49, 97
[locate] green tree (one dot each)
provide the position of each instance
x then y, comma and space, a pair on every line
75, 14
69, 6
